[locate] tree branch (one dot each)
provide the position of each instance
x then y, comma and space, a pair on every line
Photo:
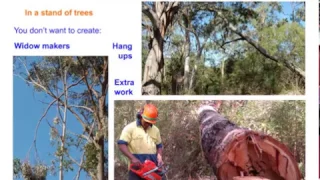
82, 107
56, 99
259, 48
76, 116
147, 10
231, 41
73, 160
80, 135
96, 71
90, 88
37, 127
84, 125
105, 76
80, 165
45, 113
80, 168
32, 80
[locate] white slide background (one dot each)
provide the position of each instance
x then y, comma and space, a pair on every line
120, 22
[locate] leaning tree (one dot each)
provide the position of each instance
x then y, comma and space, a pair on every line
236, 30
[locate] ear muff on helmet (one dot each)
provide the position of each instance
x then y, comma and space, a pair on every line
139, 114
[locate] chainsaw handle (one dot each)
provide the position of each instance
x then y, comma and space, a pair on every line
135, 168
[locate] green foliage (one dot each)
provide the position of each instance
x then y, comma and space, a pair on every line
259, 76
86, 81
36, 172
17, 167
206, 82
91, 161
67, 165
246, 70
291, 37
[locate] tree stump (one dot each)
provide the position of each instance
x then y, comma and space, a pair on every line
235, 152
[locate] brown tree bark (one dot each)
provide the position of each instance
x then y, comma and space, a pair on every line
101, 159
102, 123
233, 151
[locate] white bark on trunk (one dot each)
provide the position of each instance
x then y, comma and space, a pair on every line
64, 123
186, 74
161, 15
151, 70
222, 73
187, 47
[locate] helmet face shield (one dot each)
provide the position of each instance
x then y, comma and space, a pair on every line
148, 120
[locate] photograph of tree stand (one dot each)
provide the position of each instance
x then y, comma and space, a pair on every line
212, 48
209, 140
60, 118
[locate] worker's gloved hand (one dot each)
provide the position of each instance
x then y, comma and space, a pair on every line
136, 162
160, 162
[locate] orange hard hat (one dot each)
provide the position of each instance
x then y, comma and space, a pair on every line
150, 113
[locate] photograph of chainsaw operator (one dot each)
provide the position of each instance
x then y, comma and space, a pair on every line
140, 142
209, 139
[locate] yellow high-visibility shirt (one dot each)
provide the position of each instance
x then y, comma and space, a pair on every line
142, 144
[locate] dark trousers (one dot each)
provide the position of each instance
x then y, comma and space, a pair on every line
133, 176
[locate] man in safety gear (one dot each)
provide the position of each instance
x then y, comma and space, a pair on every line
140, 140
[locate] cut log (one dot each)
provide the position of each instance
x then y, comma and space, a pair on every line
233, 151
249, 178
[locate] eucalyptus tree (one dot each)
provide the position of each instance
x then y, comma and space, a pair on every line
161, 15
77, 88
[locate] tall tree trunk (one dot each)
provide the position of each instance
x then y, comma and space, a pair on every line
186, 51
99, 139
198, 59
154, 64
100, 166
161, 15
186, 74
64, 121
102, 124
192, 77
173, 84
232, 151
222, 68
193, 73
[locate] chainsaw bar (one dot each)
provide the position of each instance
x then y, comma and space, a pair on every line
155, 169
151, 171
166, 169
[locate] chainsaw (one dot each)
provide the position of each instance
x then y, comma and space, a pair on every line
149, 171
